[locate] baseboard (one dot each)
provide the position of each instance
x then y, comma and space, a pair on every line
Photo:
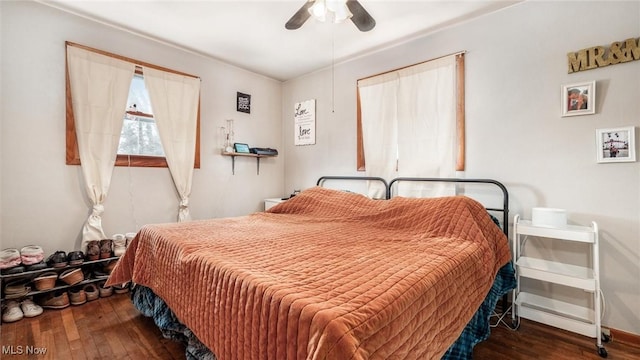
625, 337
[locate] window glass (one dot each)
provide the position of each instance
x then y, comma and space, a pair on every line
139, 137
139, 134
138, 96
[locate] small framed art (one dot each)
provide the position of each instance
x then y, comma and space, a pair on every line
243, 102
616, 144
579, 99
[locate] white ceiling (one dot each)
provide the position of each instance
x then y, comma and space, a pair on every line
251, 34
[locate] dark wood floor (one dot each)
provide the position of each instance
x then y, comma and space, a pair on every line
107, 328
537, 341
111, 328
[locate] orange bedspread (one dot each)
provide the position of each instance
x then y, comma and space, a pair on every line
324, 275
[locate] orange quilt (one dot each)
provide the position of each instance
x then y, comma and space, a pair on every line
325, 275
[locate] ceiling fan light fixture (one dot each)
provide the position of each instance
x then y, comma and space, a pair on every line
341, 12
336, 10
319, 10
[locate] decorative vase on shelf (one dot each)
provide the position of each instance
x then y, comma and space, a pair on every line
228, 136
228, 145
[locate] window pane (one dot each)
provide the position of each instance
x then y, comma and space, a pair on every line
139, 133
140, 137
138, 96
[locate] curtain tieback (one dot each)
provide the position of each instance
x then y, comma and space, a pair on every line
98, 209
184, 203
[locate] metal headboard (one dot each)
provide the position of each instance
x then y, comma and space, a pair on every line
389, 186
505, 194
356, 178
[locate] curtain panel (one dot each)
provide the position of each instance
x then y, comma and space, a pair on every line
408, 120
175, 101
426, 125
99, 87
379, 111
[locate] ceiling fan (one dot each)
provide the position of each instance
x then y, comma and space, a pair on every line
339, 9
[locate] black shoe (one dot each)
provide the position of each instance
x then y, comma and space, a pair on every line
13, 270
100, 274
39, 266
57, 259
75, 257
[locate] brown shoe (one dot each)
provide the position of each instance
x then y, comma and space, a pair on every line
121, 289
46, 281
17, 289
92, 292
55, 300
106, 246
77, 296
104, 291
93, 250
72, 276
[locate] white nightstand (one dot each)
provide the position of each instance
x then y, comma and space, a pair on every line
269, 203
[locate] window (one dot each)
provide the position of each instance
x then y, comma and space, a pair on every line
459, 112
409, 125
139, 140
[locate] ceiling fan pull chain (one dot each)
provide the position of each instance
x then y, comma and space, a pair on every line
333, 72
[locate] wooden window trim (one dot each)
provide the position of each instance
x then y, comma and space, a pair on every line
72, 153
460, 116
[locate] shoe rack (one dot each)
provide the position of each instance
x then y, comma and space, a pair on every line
34, 273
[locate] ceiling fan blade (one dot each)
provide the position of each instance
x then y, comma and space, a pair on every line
361, 18
299, 17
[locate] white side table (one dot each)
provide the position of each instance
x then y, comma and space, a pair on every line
561, 314
269, 203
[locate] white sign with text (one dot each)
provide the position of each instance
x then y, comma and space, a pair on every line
305, 122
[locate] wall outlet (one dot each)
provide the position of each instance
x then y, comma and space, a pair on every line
606, 331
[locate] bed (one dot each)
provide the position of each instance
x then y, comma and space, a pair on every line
327, 274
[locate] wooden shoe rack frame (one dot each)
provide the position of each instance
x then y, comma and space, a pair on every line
34, 273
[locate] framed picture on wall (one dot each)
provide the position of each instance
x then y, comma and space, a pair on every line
304, 119
579, 99
243, 102
616, 145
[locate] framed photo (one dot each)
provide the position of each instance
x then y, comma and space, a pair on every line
243, 102
579, 99
241, 148
616, 145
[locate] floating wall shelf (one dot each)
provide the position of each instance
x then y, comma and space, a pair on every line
233, 159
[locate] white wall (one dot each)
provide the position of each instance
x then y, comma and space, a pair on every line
516, 64
42, 199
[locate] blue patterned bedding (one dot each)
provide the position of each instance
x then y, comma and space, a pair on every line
477, 329
151, 305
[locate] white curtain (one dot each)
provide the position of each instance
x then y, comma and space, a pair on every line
174, 99
409, 126
427, 127
99, 89
379, 110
